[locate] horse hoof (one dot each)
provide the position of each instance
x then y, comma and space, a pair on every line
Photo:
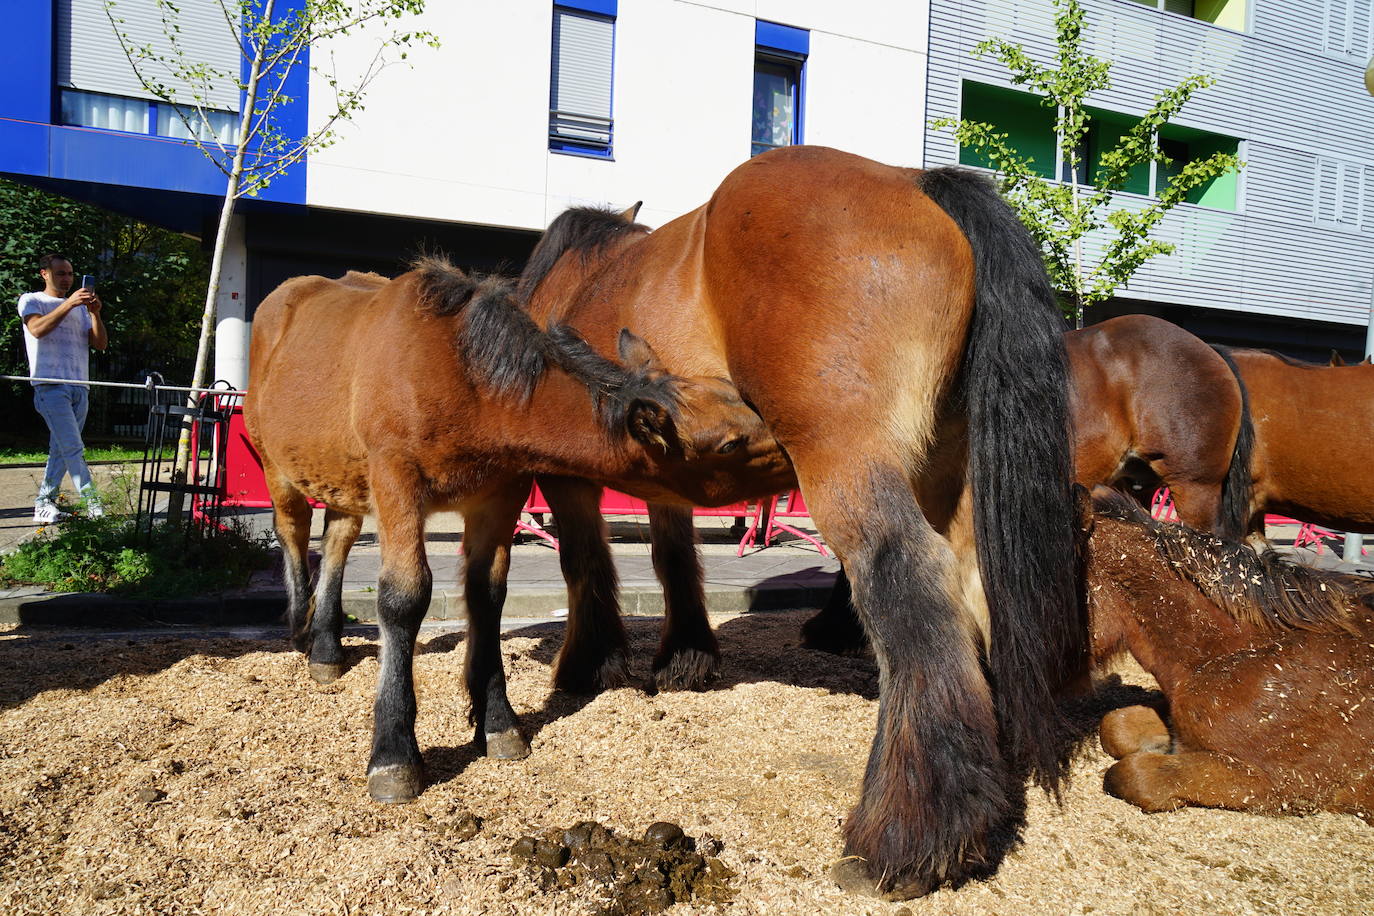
395, 784
686, 669
507, 745
1132, 729
852, 875
326, 672
613, 672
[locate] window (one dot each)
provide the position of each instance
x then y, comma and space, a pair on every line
1183, 145
1028, 124
1228, 13
779, 65
99, 88
1030, 130
112, 112
580, 84
1346, 28
1340, 194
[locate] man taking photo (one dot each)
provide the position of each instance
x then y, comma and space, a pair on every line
59, 330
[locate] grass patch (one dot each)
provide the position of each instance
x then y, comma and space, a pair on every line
128, 453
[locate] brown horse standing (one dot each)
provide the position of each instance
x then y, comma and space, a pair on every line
1312, 426
435, 391
1267, 666
1155, 406
896, 331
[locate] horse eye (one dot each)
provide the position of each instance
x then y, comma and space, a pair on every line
733, 444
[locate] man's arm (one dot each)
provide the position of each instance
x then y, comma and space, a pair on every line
99, 338
43, 325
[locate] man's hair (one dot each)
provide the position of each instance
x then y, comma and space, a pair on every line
45, 262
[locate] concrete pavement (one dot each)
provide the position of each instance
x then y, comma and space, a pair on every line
789, 574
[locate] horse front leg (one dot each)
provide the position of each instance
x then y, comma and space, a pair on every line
395, 772
1132, 729
937, 790
595, 647
1163, 782
688, 656
291, 521
326, 606
488, 527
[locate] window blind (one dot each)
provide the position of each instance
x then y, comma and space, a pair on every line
89, 56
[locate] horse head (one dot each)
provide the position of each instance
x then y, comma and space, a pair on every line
706, 440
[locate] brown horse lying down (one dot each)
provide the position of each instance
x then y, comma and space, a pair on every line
434, 391
1312, 423
1267, 667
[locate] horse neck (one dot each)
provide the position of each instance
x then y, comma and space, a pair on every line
575, 278
559, 432
1139, 604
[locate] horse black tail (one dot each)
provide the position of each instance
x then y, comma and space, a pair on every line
1233, 515
1016, 386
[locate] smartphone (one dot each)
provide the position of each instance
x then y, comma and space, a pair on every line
88, 282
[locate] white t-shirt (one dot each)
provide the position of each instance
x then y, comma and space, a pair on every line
65, 351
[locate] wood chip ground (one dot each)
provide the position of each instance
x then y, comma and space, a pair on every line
187, 775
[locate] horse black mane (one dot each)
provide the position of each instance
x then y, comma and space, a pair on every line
1268, 590
504, 350
581, 229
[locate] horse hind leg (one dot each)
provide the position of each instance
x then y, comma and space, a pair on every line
291, 516
688, 656
1163, 782
836, 628
1132, 729
594, 652
326, 605
937, 789
488, 527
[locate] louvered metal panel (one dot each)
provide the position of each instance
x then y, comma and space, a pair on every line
89, 56
1290, 100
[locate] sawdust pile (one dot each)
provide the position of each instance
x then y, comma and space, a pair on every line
165, 775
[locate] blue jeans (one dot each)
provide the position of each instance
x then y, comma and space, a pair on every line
64, 409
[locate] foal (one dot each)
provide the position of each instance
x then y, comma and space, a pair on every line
1267, 666
434, 391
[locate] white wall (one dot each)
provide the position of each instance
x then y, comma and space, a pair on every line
461, 133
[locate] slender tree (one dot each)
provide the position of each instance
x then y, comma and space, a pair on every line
1060, 214
272, 43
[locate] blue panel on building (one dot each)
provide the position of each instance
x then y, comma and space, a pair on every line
782, 38
604, 7
24, 147
26, 92
32, 145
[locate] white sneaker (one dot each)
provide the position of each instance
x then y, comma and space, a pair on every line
94, 509
47, 513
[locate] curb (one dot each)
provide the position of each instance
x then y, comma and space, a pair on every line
259, 607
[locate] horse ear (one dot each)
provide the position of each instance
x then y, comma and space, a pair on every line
629, 214
1337, 359
650, 423
636, 353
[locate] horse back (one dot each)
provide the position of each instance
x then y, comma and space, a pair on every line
1146, 388
813, 252
1311, 425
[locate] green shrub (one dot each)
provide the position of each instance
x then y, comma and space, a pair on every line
109, 555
